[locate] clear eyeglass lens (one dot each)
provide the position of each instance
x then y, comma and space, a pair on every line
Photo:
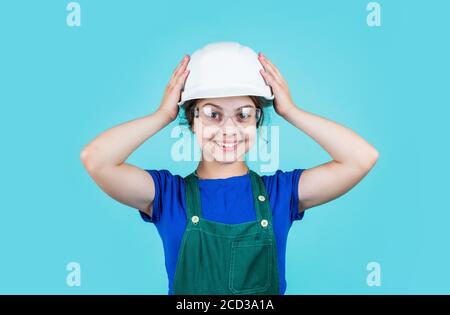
211, 115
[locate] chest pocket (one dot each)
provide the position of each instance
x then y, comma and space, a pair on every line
251, 266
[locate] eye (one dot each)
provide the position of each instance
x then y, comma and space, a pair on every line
245, 114
210, 113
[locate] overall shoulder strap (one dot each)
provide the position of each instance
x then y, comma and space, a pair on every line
260, 198
192, 196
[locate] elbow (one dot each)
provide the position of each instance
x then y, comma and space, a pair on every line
370, 159
87, 159
374, 156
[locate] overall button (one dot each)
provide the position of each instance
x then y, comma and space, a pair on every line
195, 219
261, 198
264, 223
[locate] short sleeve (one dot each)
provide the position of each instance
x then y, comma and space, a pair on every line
283, 186
289, 181
296, 215
163, 182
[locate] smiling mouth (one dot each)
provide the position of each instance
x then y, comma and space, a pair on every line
228, 146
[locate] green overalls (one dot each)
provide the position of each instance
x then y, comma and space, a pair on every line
218, 258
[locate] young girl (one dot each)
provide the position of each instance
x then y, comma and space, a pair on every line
224, 227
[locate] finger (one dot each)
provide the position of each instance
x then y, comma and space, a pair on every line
270, 63
181, 67
269, 79
271, 70
182, 78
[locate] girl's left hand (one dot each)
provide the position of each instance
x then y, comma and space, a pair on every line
283, 101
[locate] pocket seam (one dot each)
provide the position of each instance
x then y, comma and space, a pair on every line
236, 245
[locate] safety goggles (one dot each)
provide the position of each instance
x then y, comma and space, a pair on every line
211, 115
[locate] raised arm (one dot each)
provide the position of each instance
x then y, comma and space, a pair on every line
104, 157
352, 156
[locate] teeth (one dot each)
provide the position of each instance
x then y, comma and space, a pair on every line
227, 145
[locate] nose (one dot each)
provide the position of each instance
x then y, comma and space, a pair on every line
229, 121
229, 127
229, 131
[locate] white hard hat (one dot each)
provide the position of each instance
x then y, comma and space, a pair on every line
224, 69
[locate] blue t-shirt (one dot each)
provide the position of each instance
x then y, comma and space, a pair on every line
225, 200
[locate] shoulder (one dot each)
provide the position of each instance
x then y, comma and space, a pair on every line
282, 178
168, 194
164, 176
282, 189
166, 183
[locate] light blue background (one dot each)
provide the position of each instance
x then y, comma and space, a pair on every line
61, 87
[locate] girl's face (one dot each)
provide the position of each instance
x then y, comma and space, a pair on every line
225, 127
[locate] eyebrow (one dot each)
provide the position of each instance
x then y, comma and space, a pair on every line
218, 106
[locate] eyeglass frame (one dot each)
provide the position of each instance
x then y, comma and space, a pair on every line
258, 113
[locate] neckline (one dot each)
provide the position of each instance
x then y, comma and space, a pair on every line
222, 179
193, 199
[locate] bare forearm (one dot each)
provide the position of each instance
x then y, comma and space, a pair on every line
344, 145
115, 145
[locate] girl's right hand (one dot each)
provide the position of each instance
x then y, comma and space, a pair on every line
172, 93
